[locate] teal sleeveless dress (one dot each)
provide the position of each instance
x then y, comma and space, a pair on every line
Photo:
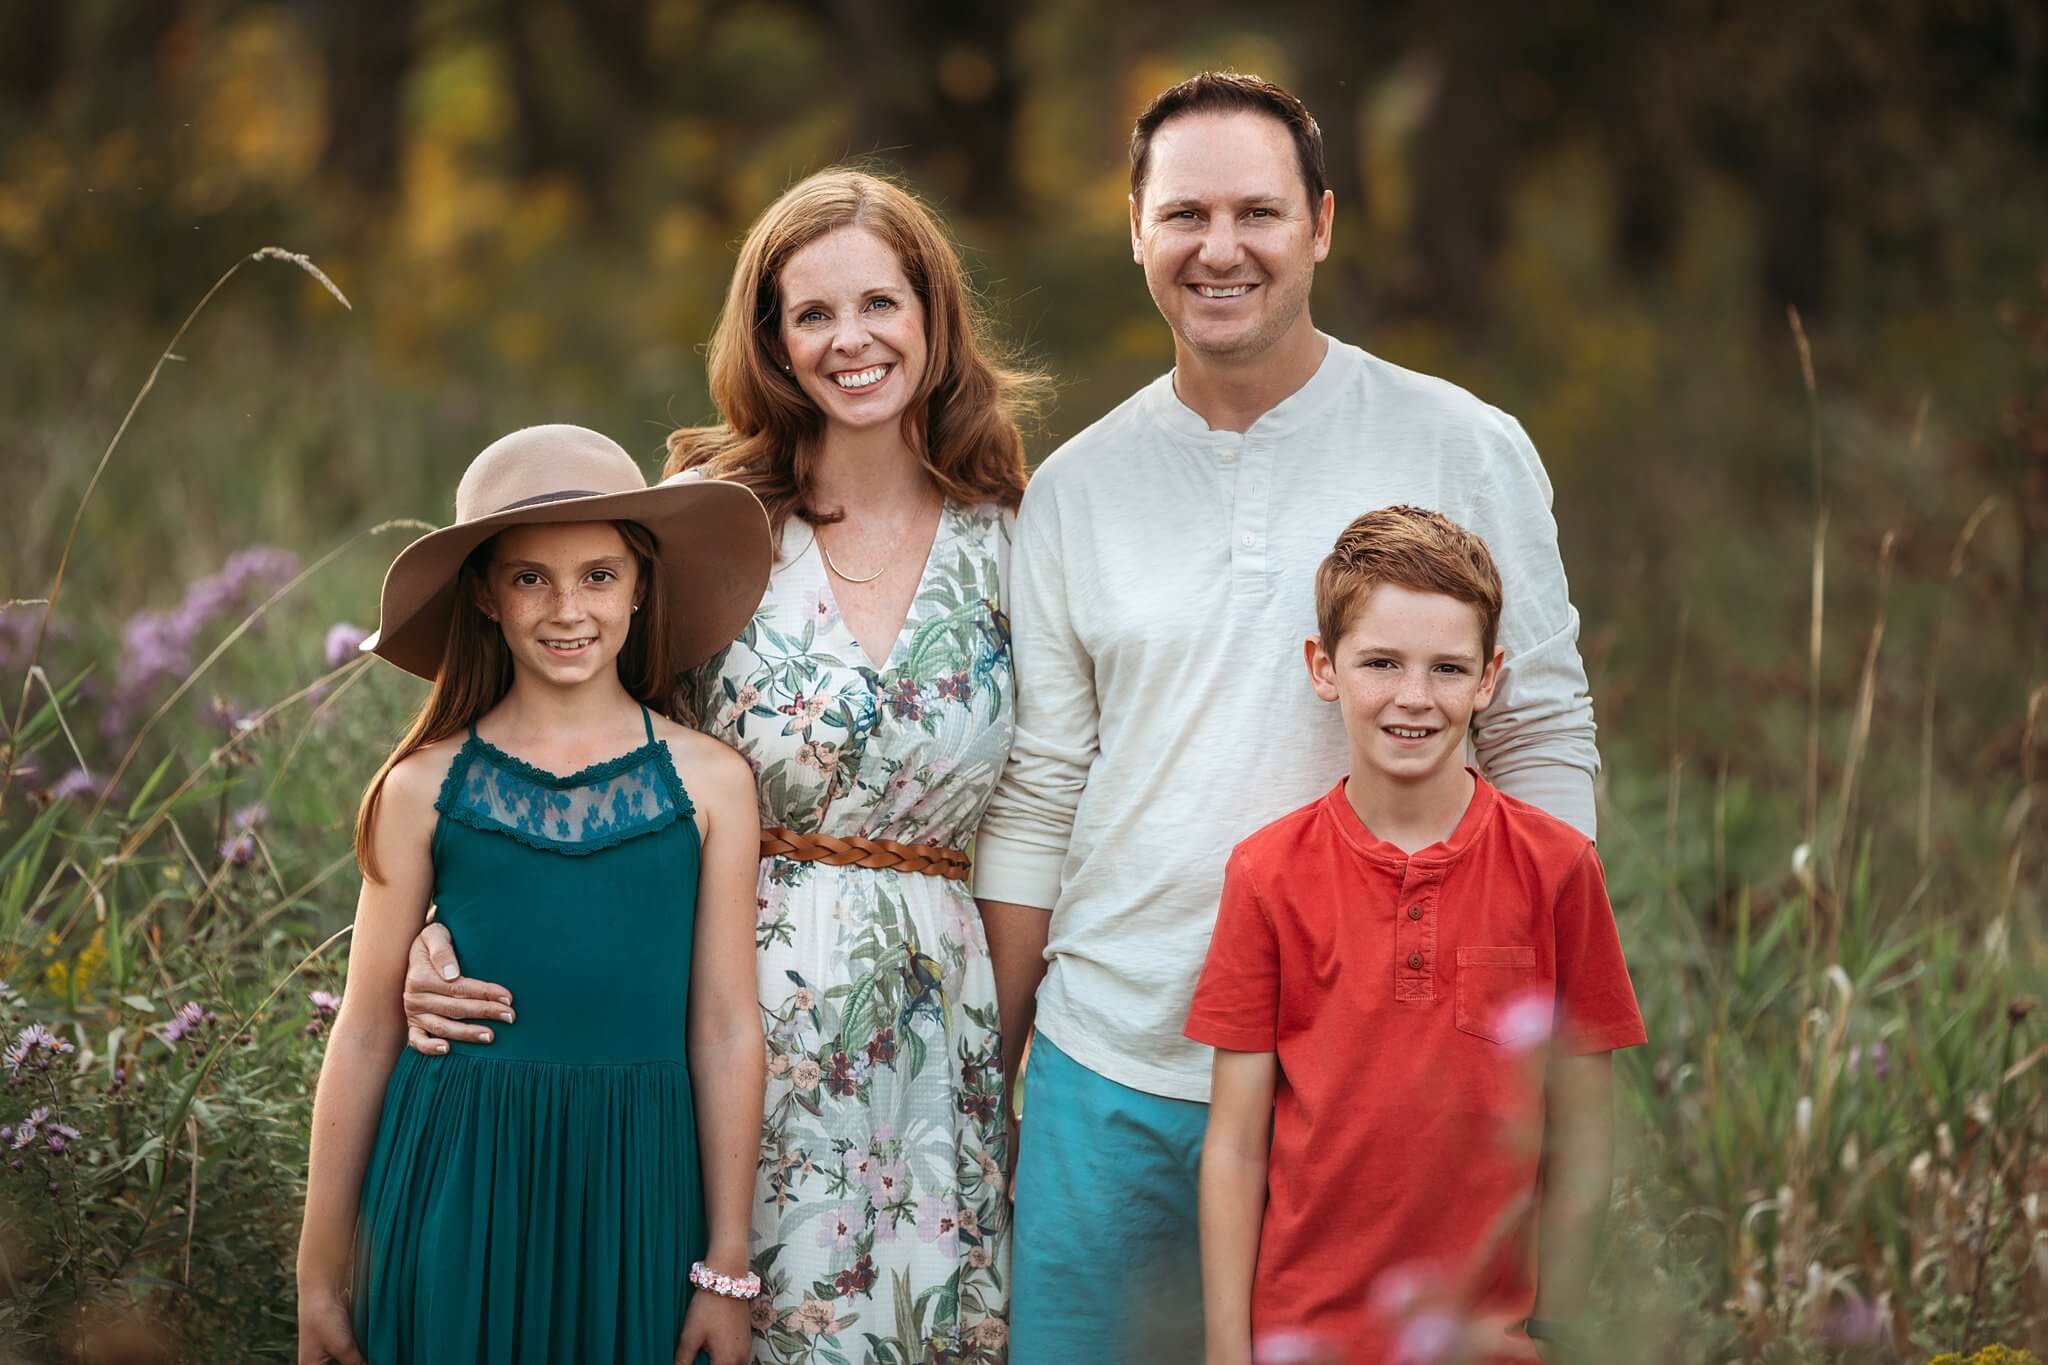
537, 1200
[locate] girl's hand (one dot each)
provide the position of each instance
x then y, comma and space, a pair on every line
325, 1336
719, 1327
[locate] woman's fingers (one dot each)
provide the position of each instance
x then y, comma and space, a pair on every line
452, 1029
420, 1041
481, 1009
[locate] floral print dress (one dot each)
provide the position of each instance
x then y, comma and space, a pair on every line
880, 1230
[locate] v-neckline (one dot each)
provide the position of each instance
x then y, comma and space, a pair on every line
931, 555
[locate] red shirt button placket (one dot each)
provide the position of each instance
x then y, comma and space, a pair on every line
1414, 938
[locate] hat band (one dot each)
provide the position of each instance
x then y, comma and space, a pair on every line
537, 498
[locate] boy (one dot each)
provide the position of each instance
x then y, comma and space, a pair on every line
1400, 1158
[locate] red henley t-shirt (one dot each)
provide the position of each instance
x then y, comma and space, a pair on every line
1408, 999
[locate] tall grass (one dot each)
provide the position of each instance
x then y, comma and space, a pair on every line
1833, 1145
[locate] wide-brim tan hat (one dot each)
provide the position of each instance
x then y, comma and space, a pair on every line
713, 535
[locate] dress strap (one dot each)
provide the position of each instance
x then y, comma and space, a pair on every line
472, 729
648, 721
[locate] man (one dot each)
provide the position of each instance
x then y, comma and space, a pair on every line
1163, 573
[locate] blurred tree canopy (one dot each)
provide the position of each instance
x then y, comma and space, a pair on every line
1864, 139
1594, 215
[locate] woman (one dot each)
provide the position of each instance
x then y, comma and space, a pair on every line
872, 695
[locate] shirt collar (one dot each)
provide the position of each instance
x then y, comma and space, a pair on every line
1282, 418
1478, 811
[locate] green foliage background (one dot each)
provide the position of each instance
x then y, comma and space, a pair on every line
1595, 218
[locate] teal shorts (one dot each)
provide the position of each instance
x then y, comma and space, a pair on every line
1106, 1264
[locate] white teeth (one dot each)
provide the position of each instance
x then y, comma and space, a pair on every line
1400, 733
861, 379
1211, 292
568, 644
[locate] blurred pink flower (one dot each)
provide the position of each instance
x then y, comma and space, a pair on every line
1525, 1022
1294, 1346
1427, 1338
1396, 1290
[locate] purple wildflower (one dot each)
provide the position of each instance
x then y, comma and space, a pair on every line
158, 645
239, 850
34, 1045
342, 642
28, 1131
251, 816
155, 646
18, 636
1856, 1321
75, 785
259, 566
326, 1002
1880, 1061
189, 1016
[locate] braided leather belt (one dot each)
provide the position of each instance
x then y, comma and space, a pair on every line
852, 851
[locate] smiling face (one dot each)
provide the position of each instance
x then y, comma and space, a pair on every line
1226, 233
563, 593
852, 328
1407, 675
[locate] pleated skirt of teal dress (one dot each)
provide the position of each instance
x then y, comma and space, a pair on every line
538, 1200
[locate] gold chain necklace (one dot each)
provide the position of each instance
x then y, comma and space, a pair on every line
841, 572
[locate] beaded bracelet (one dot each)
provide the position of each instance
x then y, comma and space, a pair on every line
704, 1277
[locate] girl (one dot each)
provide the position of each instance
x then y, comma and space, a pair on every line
552, 1198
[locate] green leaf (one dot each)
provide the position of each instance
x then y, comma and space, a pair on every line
142, 796
139, 1002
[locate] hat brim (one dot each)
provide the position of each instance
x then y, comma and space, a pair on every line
715, 558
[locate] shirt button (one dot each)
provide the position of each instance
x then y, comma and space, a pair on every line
1414, 912
1250, 539
1415, 961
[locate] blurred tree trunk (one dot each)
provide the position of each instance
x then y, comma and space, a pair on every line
368, 51
31, 57
576, 112
1347, 51
931, 86
1462, 158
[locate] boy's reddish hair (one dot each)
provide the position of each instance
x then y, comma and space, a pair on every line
1413, 548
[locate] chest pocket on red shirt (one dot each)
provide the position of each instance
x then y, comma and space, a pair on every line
1489, 980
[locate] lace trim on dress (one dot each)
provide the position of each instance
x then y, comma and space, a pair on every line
595, 808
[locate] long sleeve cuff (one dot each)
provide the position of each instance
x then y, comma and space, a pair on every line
1011, 870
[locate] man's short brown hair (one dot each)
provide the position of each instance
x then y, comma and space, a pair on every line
1232, 92
1413, 548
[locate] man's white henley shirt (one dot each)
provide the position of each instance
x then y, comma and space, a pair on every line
1162, 585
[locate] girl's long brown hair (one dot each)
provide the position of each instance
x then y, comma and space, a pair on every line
476, 669
963, 420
